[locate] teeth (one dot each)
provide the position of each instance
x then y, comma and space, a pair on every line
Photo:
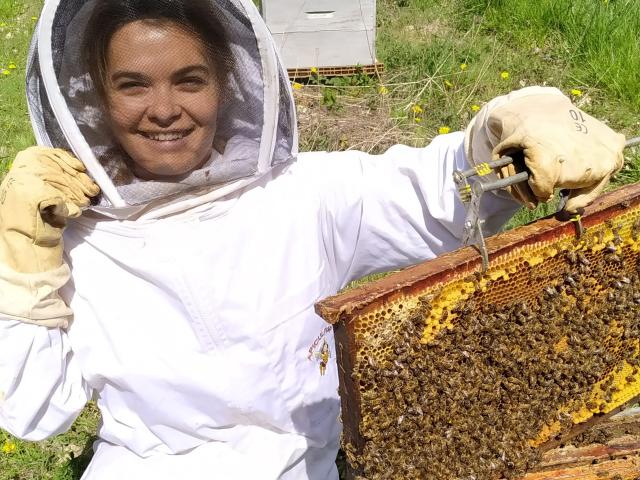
166, 137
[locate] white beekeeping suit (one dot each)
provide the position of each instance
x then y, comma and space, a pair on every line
194, 327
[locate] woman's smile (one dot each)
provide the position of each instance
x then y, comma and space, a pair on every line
167, 136
173, 141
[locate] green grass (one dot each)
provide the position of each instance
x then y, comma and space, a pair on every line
597, 39
589, 45
16, 26
60, 458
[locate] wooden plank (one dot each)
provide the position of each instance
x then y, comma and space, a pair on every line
618, 469
614, 417
619, 446
630, 415
627, 445
334, 71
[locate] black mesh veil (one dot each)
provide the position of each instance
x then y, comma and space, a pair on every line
255, 119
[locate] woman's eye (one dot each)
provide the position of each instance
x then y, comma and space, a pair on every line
129, 86
193, 81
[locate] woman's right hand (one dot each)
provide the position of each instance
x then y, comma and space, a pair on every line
44, 188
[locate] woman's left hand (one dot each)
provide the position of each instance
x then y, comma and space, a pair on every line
563, 147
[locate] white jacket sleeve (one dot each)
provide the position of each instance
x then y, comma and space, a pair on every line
388, 211
41, 386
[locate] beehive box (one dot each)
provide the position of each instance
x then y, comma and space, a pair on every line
609, 451
327, 34
449, 373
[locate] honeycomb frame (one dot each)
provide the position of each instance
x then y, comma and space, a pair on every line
363, 318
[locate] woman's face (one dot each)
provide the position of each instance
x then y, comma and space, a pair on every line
162, 97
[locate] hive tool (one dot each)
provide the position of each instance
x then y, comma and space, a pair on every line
471, 194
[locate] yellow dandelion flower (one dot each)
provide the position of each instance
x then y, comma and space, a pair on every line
463, 66
448, 84
417, 119
416, 109
34, 18
444, 130
382, 90
9, 447
5, 71
475, 108
314, 70
12, 66
576, 93
504, 75
296, 86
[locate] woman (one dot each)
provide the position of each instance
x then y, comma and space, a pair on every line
193, 274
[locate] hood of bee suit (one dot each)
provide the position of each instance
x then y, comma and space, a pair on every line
256, 117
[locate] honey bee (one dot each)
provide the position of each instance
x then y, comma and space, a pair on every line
569, 279
582, 259
635, 228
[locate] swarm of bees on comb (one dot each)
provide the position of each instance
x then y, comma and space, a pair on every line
471, 376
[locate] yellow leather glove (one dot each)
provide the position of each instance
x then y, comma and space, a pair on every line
563, 147
44, 188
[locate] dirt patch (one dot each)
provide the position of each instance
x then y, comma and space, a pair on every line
360, 122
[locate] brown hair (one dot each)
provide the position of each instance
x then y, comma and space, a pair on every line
196, 16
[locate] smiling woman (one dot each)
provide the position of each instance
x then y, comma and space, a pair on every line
162, 112
159, 74
169, 97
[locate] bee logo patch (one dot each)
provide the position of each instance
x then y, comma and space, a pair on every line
320, 350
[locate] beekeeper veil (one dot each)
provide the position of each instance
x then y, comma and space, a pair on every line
252, 130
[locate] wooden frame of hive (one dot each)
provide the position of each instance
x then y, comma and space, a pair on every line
599, 460
375, 69
614, 216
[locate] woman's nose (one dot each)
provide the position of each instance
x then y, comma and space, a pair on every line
163, 110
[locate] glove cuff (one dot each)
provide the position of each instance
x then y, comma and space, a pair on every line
33, 297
